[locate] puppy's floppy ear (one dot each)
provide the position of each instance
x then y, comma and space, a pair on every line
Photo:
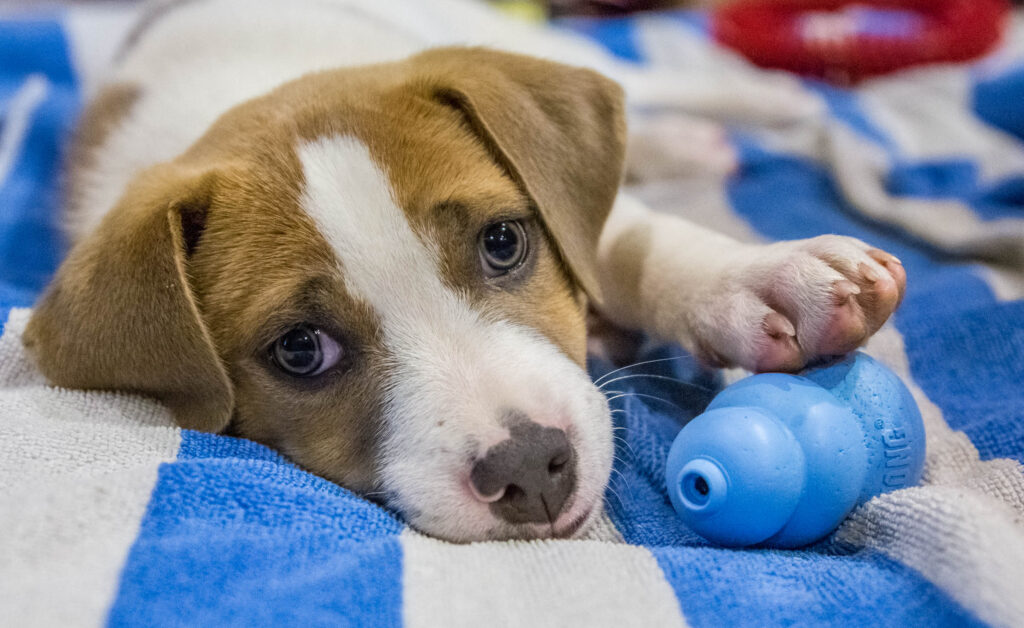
121, 313
559, 130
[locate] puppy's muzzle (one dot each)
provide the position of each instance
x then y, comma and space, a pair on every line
528, 477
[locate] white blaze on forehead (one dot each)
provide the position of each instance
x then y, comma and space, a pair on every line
428, 329
351, 201
450, 374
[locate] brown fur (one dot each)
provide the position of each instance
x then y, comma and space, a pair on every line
109, 108
121, 313
208, 259
112, 104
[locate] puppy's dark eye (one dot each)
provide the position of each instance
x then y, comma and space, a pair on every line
305, 351
502, 247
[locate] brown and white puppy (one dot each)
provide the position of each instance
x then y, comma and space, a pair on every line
383, 270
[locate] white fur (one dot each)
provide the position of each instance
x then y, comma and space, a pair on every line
452, 373
700, 288
203, 57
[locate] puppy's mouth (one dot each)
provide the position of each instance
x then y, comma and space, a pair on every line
574, 526
564, 527
567, 526
557, 530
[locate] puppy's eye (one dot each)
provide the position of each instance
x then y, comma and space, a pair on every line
502, 247
305, 351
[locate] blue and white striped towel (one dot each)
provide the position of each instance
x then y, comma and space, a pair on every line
111, 514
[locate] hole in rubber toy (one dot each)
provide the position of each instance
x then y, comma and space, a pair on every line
696, 489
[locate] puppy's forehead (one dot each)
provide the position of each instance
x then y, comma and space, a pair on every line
351, 200
387, 247
377, 179
426, 150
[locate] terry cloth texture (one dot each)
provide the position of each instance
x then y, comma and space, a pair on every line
110, 514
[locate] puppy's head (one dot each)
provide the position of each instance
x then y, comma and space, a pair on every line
381, 272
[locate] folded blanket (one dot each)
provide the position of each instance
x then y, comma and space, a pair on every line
111, 514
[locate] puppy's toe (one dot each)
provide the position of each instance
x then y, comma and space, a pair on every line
885, 292
845, 328
778, 349
736, 327
795, 302
873, 286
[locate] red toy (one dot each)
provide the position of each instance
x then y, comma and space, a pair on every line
844, 41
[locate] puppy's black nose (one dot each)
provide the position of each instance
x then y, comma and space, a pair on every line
534, 471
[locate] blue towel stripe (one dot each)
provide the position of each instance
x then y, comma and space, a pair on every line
996, 100
30, 246
618, 35
275, 545
774, 588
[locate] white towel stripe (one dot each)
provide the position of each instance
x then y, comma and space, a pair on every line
535, 584
81, 467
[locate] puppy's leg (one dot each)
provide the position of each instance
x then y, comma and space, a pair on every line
762, 307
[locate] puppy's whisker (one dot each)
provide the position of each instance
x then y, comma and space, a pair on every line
636, 364
625, 482
664, 377
646, 396
627, 445
617, 497
621, 476
617, 459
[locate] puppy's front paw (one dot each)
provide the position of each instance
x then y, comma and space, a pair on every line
789, 303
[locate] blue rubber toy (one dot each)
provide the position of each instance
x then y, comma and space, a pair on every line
780, 460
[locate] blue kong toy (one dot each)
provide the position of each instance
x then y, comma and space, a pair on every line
780, 460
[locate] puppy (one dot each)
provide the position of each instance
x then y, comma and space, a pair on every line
299, 227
